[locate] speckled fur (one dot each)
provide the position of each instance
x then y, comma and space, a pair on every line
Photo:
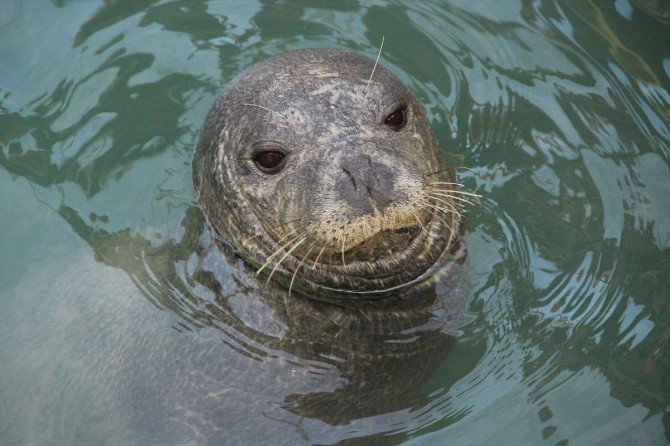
322, 111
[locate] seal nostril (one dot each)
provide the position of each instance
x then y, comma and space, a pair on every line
369, 191
351, 177
365, 185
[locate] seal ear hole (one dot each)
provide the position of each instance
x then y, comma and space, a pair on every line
269, 161
396, 119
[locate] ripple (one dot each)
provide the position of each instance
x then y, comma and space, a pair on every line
555, 113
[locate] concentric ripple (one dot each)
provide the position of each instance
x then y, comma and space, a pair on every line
126, 322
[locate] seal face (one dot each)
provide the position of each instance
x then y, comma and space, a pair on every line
320, 168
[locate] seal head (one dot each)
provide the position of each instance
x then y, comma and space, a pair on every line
320, 168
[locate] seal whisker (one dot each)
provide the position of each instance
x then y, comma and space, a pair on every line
271, 228
442, 218
280, 249
286, 223
367, 87
436, 192
319, 255
432, 204
295, 273
252, 237
451, 207
446, 211
284, 238
463, 200
466, 168
265, 108
423, 228
444, 182
454, 197
456, 191
344, 241
436, 172
286, 254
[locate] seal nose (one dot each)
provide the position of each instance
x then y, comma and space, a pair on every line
365, 184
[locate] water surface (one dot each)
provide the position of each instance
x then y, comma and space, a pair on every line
121, 323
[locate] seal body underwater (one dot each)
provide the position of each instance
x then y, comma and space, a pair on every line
319, 167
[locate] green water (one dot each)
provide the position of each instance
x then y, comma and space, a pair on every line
559, 114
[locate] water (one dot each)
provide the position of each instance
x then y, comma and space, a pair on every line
121, 324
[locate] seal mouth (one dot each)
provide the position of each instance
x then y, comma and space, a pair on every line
408, 247
373, 274
386, 244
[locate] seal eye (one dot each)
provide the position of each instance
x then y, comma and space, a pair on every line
397, 119
270, 161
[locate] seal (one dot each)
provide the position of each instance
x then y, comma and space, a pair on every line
320, 168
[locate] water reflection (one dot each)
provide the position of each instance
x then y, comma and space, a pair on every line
357, 364
558, 112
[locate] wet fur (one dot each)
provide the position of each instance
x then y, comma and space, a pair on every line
320, 106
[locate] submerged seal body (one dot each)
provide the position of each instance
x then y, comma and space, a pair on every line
320, 168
